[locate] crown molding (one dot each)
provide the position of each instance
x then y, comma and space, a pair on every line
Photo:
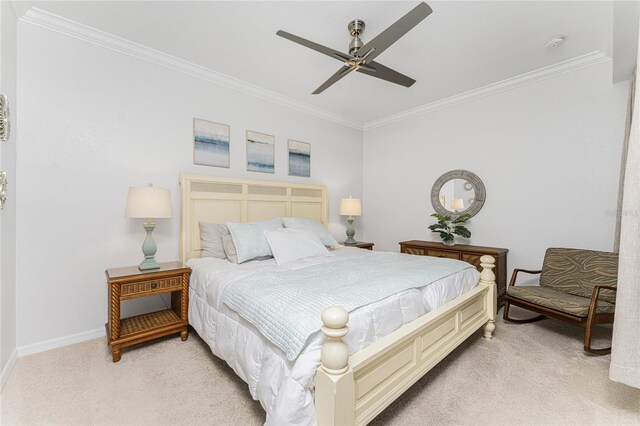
19, 8
579, 62
83, 32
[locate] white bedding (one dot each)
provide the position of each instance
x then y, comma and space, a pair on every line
284, 388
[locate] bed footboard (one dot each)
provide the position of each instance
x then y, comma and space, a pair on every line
353, 389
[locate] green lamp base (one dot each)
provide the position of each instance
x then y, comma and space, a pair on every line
149, 250
148, 264
351, 232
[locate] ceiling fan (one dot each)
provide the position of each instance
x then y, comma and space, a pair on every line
361, 56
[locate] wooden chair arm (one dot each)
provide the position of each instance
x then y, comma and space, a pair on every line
514, 275
596, 292
594, 298
605, 287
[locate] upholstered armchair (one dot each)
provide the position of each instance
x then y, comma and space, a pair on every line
576, 286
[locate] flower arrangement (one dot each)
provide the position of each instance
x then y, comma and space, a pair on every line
448, 228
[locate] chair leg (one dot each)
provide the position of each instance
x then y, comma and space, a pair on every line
505, 316
603, 351
588, 332
505, 311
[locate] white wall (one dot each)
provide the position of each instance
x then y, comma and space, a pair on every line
8, 76
548, 153
93, 123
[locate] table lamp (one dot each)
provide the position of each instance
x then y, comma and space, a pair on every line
350, 207
148, 202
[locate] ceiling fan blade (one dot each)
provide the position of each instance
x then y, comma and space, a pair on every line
385, 73
389, 36
315, 46
367, 68
333, 79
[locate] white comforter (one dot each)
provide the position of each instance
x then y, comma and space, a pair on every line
284, 388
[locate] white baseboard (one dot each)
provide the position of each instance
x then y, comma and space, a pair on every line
6, 371
61, 341
45, 346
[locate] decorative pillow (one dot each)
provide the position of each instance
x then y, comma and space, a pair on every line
249, 240
289, 245
313, 226
211, 235
229, 248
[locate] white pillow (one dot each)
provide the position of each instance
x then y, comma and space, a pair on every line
313, 226
289, 245
249, 240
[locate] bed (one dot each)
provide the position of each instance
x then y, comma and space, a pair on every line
338, 377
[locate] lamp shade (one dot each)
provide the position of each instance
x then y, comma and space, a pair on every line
457, 203
148, 202
350, 207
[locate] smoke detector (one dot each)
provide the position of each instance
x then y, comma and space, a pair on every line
554, 42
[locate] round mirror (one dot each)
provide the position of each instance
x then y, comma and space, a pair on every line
458, 192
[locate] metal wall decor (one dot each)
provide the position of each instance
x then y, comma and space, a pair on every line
3, 189
4, 118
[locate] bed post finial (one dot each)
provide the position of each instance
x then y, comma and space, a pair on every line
487, 275
335, 353
488, 278
335, 398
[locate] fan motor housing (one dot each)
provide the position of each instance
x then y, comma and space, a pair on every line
356, 27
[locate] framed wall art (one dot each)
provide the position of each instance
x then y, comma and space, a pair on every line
210, 143
299, 158
261, 152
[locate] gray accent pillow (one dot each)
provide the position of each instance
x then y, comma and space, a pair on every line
229, 248
211, 235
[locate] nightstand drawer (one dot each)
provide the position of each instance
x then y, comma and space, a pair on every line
447, 254
140, 288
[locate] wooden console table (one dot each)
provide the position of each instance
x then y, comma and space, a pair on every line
469, 254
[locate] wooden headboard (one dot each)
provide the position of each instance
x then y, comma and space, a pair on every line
222, 199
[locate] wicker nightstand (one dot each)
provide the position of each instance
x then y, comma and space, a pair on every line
360, 244
129, 283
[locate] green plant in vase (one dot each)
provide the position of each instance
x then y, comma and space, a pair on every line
448, 228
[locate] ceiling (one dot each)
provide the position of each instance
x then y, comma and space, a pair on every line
459, 47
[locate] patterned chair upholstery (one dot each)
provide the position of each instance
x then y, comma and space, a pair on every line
575, 285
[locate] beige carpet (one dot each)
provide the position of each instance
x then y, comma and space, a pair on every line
528, 374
